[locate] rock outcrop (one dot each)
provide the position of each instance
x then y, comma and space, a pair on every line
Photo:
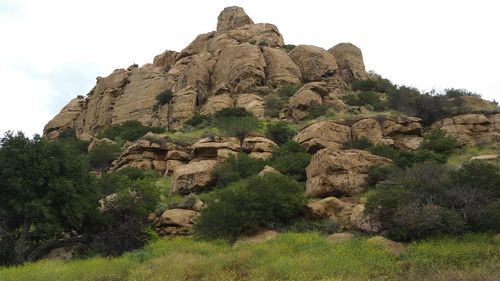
193, 177
323, 134
364, 222
472, 129
315, 63
349, 61
174, 222
65, 119
231, 18
340, 172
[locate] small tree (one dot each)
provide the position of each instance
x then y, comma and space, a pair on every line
238, 127
164, 97
102, 155
279, 132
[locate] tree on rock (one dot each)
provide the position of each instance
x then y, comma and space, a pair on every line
47, 193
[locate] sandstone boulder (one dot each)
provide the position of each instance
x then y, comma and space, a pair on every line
371, 130
239, 69
301, 102
323, 134
65, 119
339, 237
260, 34
208, 148
392, 246
165, 60
231, 18
217, 103
350, 62
344, 172
268, 170
178, 217
95, 142
252, 103
280, 67
315, 63
364, 222
329, 207
193, 177
258, 147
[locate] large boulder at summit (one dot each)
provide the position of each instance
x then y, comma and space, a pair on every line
340, 172
193, 177
239, 69
280, 67
165, 60
323, 134
231, 18
349, 61
65, 119
315, 63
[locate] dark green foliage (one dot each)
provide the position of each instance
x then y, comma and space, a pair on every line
323, 226
288, 47
269, 201
366, 99
46, 190
236, 168
288, 90
279, 132
102, 155
164, 97
379, 85
316, 110
361, 143
238, 127
429, 199
378, 174
198, 120
233, 112
417, 222
291, 159
273, 105
455, 93
438, 142
128, 131
405, 159
68, 137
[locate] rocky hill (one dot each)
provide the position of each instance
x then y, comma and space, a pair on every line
233, 66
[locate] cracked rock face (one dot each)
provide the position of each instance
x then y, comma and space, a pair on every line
231, 18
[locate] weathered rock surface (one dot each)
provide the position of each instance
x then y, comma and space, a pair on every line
217, 148
349, 61
193, 177
344, 172
315, 63
96, 142
330, 207
231, 18
323, 134
252, 103
258, 147
65, 119
280, 67
364, 222
173, 222
392, 246
268, 170
471, 129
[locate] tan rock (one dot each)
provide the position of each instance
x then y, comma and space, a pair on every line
183, 107
193, 177
350, 62
252, 103
260, 237
96, 142
170, 166
364, 222
280, 67
178, 217
330, 207
178, 155
165, 60
369, 129
268, 170
333, 171
261, 34
301, 102
209, 147
471, 119
217, 103
392, 246
314, 62
65, 119
258, 144
323, 134
339, 237
239, 69
487, 157
231, 18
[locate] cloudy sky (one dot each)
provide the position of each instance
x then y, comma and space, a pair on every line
53, 50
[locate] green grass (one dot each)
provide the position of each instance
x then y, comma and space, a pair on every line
290, 256
462, 155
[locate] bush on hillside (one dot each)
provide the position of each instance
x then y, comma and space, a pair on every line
279, 132
198, 120
288, 90
243, 208
236, 168
238, 127
128, 131
316, 110
438, 142
366, 99
455, 93
361, 143
164, 97
102, 155
291, 159
273, 105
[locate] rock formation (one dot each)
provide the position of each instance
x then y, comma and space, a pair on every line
471, 129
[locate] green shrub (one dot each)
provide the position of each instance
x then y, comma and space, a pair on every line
455, 93
164, 97
288, 90
478, 175
291, 159
437, 141
416, 222
404, 158
102, 155
378, 174
489, 218
236, 168
288, 47
232, 112
316, 110
361, 143
273, 105
245, 207
238, 127
379, 85
279, 132
198, 120
366, 99
130, 131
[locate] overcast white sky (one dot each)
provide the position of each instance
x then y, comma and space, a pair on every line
52, 50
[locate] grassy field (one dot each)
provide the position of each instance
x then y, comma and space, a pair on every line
289, 256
